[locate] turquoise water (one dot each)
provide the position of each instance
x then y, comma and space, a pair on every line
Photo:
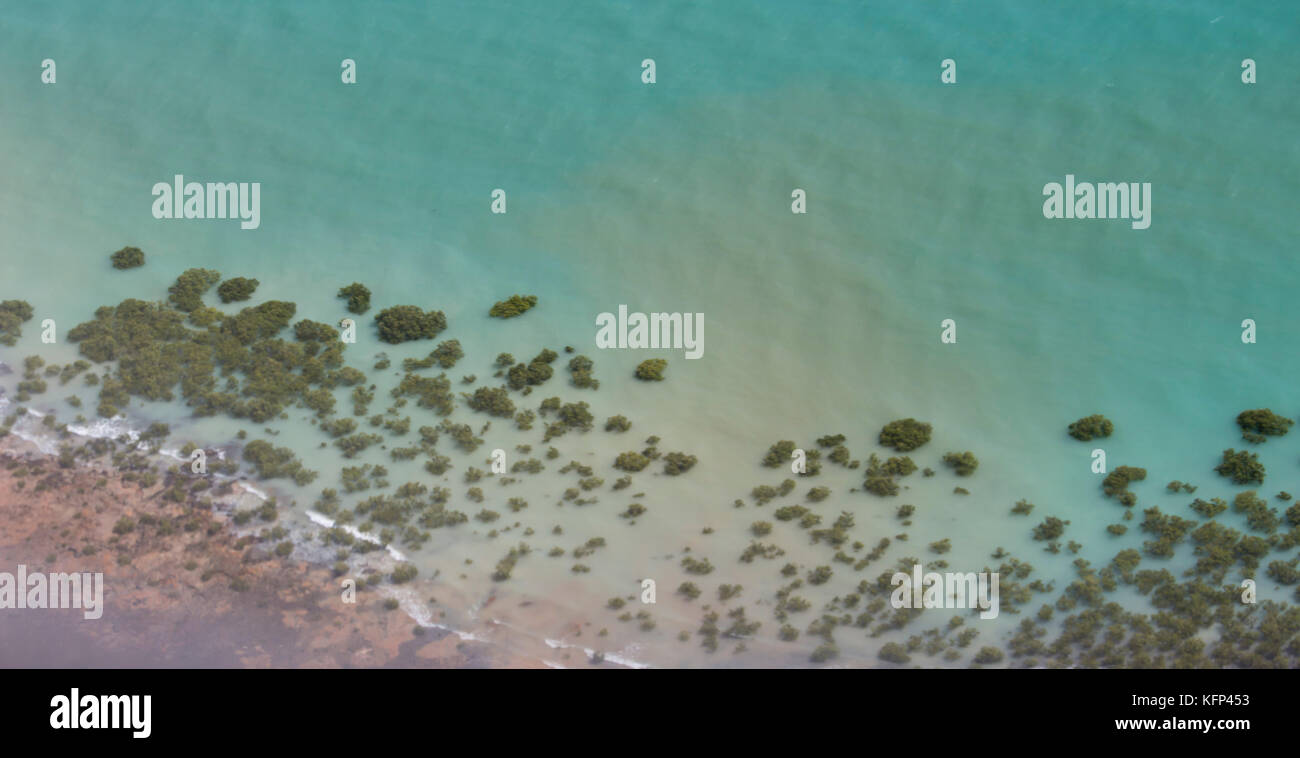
924, 204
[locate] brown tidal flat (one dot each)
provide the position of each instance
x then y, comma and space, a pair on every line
198, 596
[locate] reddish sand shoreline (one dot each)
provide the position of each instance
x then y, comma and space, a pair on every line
189, 597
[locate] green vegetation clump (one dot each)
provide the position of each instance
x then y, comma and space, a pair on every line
354, 478
779, 454
879, 482
272, 462
264, 321
205, 316
838, 534
33, 384
988, 655
576, 416
462, 434
899, 466
1258, 515
1116, 483
402, 323
433, 392
893, 653
127, 257
1127, 560
1168, 530
314, 331
506, 565
1242, 467
678, 463
447, 353
1257, 425
818, 494
1218, 548
513, 306
13, 314
187, 293
404, 573
1209, 509
580, 367
692, 566
905, 435
354, 444
651, 370
358, 296
535, 372
1284, 572
617, 424
348, 376
72, 370
759, 550
964, 464
1050, 529
236, 289
1022, 507
631, 461
589, 547
728, 591
494, 401
1088, 427
789, 513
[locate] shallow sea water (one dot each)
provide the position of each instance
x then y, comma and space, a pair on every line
924, 205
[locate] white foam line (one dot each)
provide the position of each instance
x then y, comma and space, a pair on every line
105, 428
423, 616
621, 660
255, 491
327, 522
42, 442
173, 453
